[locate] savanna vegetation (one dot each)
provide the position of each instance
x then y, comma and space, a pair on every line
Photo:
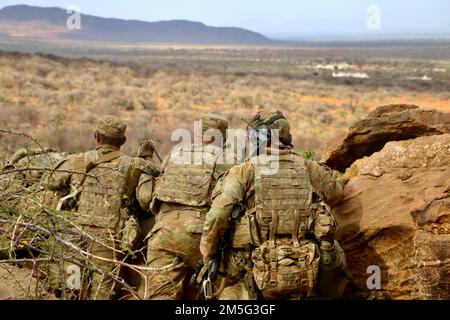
157, 89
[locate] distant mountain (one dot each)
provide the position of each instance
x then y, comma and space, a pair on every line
37, 22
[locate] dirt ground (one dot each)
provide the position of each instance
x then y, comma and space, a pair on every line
14, 283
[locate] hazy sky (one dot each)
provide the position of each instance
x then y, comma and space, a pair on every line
278, 17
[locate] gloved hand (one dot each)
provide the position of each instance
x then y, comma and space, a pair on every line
146, 148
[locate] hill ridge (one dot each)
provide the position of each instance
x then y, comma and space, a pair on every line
50, 22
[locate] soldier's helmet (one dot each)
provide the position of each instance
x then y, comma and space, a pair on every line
111, 127
264, 124
214, 121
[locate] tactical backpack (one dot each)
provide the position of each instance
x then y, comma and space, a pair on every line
188, 178
100, 191
285, 262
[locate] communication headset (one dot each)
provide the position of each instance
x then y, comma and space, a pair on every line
263, 131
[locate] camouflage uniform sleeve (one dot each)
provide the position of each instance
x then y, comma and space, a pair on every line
324, 227
144, 191
140, 169
58, 180
230, 190
324, 182
136, 169
145, 188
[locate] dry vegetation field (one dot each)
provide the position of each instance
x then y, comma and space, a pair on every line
156, 89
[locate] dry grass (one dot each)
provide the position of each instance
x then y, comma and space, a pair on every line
57, 100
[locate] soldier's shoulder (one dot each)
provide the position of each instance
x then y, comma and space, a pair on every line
129, 160
316, 167
243, 169
70, 159
141, 164
299, 157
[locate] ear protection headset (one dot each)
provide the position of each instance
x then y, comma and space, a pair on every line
263, 131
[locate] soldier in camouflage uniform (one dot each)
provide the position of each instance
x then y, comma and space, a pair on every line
147, 150
181, 198
22, 180
99, 188
23, 195
284, 233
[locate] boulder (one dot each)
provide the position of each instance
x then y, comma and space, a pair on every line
387, 123
395, 213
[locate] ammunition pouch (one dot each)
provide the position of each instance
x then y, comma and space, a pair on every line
246, 231
327, 253
324, 224
283, 268
129, 235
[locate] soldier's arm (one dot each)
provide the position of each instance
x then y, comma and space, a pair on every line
329, 188
146, 186
325, 182
142, 180
324, 229
230, 190
59, 180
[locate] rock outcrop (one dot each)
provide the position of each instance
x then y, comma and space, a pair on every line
395, 213
387, 123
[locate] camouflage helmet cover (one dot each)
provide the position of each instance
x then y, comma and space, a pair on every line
111, 127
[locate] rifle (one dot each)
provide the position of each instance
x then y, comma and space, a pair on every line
157, 155
208, 274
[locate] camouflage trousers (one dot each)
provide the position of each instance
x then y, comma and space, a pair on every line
92, 278
333, 278
101, 284
172, 254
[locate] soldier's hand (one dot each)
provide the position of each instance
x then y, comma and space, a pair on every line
207, 260
146, 148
